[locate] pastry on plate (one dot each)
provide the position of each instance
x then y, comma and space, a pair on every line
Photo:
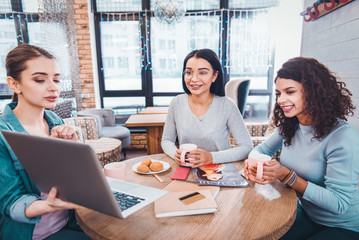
156, 166
146, 162
143, 168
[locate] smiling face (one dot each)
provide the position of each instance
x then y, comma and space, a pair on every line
199, 76
290, 97
39, 83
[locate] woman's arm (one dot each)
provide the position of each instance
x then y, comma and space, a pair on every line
51, 204
13, 197
237, 127
342, 170
169, 134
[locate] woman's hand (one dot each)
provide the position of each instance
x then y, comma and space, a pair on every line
64, 132
57, 204
200, 158
197, 157
51, 204
178, 156
272, 170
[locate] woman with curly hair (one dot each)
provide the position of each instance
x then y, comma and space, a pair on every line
320, 150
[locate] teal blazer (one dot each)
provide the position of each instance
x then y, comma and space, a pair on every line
17, 190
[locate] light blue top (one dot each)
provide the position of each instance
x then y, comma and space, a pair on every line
331, 167
209, 132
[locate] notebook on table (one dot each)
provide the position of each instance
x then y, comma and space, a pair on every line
173, 203
76, 172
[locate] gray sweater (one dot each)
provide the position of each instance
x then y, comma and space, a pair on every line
209, 132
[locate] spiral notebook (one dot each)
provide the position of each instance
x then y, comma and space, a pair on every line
170, 205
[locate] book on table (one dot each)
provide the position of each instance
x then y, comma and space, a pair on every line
223, 175
171, 205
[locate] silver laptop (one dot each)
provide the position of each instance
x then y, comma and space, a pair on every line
76, 171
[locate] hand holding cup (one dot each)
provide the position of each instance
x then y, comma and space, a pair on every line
256, 161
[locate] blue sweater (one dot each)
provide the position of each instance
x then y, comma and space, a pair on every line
17, 191
331, 167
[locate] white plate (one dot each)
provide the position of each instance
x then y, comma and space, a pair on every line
166, 166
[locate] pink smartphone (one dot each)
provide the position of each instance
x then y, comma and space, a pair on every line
180, 173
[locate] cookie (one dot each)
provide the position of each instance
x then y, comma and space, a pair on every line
143, 168
146, 162
156, 166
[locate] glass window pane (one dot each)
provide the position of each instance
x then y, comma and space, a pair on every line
192, 4
172, 42
5, 6
162, 101
118, 5
30, 5
3, 102
256, 108
252, 3
250, 48
39, 35
7, 42
202, 5
124, 107
121, 55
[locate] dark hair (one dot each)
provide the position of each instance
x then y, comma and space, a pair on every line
16, 59
217, 87
326, 99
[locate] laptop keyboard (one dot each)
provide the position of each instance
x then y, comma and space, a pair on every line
125, 201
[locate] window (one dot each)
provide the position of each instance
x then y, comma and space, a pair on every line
121, 40
7, 42
29, 21
190, 34
118, 5
150, 54
5, 6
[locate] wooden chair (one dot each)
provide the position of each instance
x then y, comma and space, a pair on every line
107, 149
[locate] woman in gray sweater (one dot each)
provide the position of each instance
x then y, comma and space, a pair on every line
204, 116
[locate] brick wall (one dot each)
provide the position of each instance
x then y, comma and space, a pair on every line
138, 141
84, 53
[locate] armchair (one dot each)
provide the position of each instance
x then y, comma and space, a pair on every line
237, 90
106, 125
107, 149
260, 132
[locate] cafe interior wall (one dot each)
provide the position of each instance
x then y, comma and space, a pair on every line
333, 39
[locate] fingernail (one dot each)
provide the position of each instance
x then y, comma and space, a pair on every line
187, 161
187, 152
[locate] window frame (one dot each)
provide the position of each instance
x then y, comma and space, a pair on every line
146, 72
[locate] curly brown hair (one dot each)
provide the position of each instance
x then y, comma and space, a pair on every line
326, 98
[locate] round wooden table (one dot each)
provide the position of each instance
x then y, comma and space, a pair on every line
258, 212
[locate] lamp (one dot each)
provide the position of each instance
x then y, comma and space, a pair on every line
169, 10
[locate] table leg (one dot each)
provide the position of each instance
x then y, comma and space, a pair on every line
154, 135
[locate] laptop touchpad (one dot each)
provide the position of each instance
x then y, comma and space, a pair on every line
122, 186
